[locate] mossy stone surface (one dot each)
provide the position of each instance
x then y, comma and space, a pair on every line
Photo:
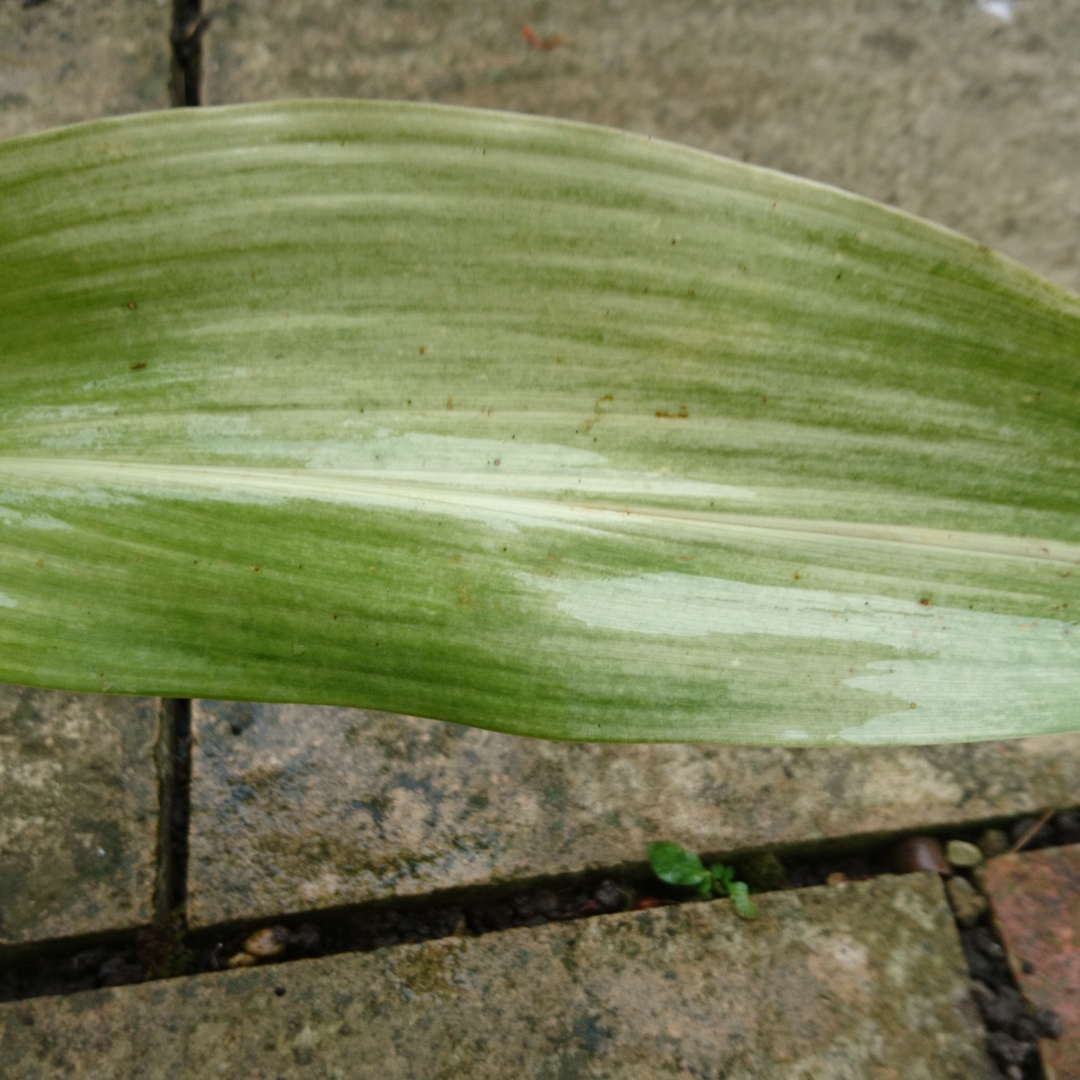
70, 60
865, 979
78, 813
296, 808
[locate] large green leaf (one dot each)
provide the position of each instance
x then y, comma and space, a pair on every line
525, 424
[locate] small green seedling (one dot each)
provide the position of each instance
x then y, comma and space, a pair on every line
677, 866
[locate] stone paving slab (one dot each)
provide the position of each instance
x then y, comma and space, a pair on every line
295, 808
1035, 899
862, 980
932, 105
67, 60
78, 814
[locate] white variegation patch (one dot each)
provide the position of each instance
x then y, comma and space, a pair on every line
951, 665
44, 522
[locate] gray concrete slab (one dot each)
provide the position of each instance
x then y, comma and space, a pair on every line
933, 105
78, 814
78, 788
296, 808
67, 60
862, 980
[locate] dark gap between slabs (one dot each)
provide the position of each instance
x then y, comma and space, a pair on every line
178, 810
168, 949
156, 948
185, 78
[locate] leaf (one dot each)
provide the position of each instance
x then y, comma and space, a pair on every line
738, 891
677, 866
740, 899
525, 424
722, 875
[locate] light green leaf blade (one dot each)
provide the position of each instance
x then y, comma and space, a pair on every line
530, 425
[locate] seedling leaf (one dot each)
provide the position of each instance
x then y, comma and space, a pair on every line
677, 866
740, 899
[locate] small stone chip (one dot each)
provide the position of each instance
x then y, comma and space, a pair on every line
962, 854
242, 960
993, 842
968, 906
268, 942
1007, 1050
609, 897
917, 854
978, 877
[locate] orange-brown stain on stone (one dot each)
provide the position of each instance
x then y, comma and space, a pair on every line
1035, 902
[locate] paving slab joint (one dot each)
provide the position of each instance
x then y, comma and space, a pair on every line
172, 760
810, 988
188, 26
170, 949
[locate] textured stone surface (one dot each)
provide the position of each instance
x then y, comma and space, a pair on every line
1035, 898
863, 980
78, 790
68, 60
300, 807
930, 104
78, 813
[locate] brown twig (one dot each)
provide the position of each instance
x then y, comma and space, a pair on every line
1029, 833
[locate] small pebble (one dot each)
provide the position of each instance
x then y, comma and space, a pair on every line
962, 854
1007, 1050
978, 877
915, 854
1025, 1029
837, 877
1004, 1009
985, 942
242, 960
993, 842
609, 896
1048, 1023
268, 942
968, 906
